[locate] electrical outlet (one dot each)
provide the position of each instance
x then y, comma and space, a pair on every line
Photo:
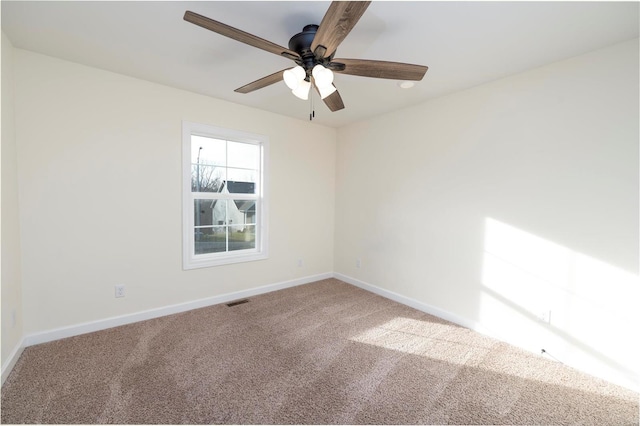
358, 263
545, 316
120, 290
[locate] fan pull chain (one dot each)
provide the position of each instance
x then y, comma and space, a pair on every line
312, 111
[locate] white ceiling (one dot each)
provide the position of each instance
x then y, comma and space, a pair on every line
463, 43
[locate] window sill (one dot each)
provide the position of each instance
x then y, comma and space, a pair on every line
207, 262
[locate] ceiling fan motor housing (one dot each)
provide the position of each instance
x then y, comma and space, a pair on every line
301, 44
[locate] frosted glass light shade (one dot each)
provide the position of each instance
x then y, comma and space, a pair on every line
302, 91
294, 76
322, 76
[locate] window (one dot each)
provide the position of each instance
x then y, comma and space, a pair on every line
224, 196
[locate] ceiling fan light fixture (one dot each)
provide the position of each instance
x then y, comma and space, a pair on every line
322, 76
312, 50
294, 77
302, 90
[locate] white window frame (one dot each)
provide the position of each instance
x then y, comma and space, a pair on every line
190, 260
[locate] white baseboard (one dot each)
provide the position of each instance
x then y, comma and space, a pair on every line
611, 376
12, 360
89, 327
424, 307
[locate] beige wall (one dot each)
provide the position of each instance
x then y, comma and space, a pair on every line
495, 205
11, 277
100, 194
506, 201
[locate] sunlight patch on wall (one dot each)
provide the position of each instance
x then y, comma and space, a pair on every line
539, 294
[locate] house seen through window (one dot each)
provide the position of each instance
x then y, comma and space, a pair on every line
225, 200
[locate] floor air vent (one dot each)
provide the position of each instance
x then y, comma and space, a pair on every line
238, 302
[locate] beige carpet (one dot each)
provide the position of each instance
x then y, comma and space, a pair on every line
321, 353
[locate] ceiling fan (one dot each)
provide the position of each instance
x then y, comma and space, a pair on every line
313, 51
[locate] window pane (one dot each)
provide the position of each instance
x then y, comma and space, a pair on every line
251, 217
207, 178
243, 155
242, 237
242, 212
210, 240
206, 150
209, 212
241, 183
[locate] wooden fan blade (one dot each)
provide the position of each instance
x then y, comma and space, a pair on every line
340, 18
263, 82
239, 35
333, 101
381, 69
